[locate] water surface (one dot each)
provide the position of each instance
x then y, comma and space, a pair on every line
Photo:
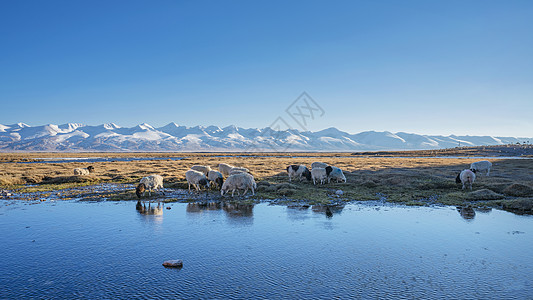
103, 250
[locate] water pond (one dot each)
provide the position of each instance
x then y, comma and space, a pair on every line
108, 250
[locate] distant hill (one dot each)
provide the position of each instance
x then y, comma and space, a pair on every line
74, 137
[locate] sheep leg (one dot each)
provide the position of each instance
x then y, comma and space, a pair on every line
245, 191
488, 171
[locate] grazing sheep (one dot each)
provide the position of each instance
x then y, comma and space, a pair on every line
236, 170
216, 177
152, 182
197, 179
479, 166
318, 164
225, 169
319, 174
203, 169
298, 171
84, 171
335, 174
466, 177
241, 181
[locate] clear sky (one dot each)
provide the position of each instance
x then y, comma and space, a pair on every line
428, 67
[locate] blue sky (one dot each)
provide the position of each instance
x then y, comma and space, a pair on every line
429, 67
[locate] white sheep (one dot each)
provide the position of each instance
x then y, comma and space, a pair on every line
479, 166
238, 169
84, 171
225, 169
298, 171
335, 174
216, 178
319, 174
240, 181
203, 169
152, 182
197, 179
318, 164
466, 177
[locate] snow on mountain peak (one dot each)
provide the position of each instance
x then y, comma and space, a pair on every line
111, 126
145, 126
173, 137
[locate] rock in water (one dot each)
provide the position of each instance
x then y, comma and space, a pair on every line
175, 263
339, 192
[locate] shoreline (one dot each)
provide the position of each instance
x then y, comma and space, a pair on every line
414, 181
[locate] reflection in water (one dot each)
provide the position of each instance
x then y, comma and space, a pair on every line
236, 210
196, 207
467, 212
153, 212
391, 253
298, 212
328, 209
240, 212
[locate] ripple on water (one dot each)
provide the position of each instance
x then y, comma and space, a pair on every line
111, 250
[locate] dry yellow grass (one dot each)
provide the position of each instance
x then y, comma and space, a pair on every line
409, 180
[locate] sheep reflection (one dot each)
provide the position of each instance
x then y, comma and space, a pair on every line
467, 212
328, 210
232, 209
143, 209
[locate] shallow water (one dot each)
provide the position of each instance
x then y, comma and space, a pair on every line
104, 250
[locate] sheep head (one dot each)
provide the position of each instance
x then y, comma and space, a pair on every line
203, 181
140, 189
219, 181
329, 169
307, 175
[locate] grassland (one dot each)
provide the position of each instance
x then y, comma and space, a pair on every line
404, 179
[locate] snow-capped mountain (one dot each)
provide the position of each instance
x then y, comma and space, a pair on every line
173, 137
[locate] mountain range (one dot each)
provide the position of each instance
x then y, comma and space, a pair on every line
75, 137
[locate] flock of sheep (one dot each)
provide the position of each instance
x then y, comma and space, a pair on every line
239, 179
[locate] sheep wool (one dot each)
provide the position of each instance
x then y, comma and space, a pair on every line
318, 164
83, 171
239, 181
203, 169
298, 171
152, 182
479, 166
319, 174
466, 177
196, 179
225, 169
